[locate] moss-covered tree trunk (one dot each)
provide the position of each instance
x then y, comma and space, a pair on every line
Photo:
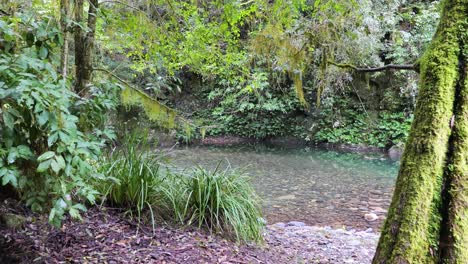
428, 219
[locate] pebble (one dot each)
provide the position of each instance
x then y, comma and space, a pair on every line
286, 197
296, 223
371, 217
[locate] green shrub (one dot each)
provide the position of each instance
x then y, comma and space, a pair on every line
43, 153
220, 200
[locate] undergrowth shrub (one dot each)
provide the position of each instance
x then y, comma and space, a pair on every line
43, 153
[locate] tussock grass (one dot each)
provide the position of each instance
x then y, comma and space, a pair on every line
221, 200
132, 172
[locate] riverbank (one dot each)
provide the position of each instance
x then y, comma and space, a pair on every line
105, 235
394, 152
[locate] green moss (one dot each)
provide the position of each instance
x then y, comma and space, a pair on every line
457, 246
154, 110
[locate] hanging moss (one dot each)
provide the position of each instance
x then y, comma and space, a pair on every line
285, 51
202, 132
154, 110
297, 79
323, 71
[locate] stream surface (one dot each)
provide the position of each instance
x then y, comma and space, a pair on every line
310, 185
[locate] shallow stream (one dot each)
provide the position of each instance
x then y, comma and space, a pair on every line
315, 186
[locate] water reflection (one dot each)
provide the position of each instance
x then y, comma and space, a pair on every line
315, 186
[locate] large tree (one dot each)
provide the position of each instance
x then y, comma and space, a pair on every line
428, 218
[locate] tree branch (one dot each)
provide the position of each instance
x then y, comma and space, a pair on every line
411, 67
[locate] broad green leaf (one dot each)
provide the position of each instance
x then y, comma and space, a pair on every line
60, 161
42, 118
24, 151
8, 119
45, 156
43, 52
55, 166
12, 155
43, 166
10, 177
52, 139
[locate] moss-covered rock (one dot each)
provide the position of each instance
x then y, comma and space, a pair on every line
11, 220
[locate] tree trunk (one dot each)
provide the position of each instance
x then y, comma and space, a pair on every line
428, 220
454, 237
84, 45
79, 48
64, 16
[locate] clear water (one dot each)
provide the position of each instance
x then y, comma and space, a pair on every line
315, 186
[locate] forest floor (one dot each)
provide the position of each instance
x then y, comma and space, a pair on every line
106, 236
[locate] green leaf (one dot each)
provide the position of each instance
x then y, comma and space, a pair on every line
8, 119
64, 137
52, 139
12, 155
10, 177
24, 151
80, 207
55, 166
74, 213
43, 52
52, 215
45, 156
60, 161
43, 166
42, 118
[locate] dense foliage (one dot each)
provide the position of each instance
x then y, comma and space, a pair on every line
261, 69
43, 153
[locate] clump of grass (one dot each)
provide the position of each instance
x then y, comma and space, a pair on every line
131, 175
223, 201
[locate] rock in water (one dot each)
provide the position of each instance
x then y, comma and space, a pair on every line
371, 217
